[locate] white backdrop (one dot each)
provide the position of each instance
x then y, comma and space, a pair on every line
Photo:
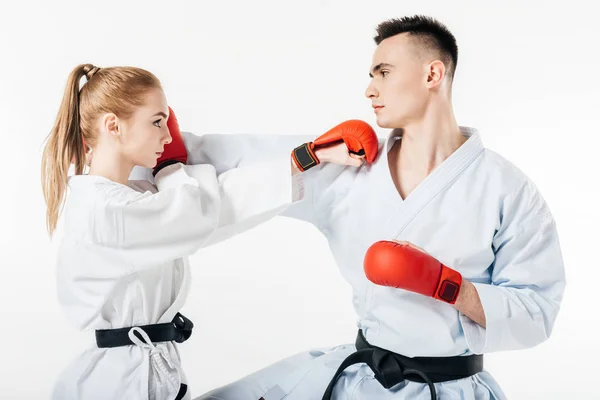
527, 78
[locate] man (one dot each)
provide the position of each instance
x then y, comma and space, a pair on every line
433, 187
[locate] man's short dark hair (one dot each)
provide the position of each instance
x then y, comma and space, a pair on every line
430, 33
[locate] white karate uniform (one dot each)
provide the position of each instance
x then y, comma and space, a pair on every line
123, 263
476, 213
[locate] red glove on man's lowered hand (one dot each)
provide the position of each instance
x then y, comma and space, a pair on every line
401, 266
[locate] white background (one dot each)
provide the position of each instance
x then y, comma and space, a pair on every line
527, 77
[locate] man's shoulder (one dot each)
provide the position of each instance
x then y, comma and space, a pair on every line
503, 170
516, 187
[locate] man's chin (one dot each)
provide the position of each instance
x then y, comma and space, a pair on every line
388, 123
383, 123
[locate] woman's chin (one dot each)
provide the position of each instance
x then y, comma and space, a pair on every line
150, 163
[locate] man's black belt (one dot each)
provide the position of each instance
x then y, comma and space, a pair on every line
178, 330
391, 368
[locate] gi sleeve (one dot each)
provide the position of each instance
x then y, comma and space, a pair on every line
229, 151
522, 300
195, 207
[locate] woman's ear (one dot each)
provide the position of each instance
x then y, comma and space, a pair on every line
110, 124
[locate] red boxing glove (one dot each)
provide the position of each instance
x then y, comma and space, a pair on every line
358, 136
175, 151
401, 266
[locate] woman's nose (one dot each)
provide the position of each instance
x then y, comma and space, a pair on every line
167, 139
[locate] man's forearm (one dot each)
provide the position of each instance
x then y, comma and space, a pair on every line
469, 303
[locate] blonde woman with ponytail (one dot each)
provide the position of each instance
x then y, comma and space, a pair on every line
122, 265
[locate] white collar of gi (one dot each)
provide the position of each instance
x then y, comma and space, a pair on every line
466, 153
471, 147
472, 135
92, 179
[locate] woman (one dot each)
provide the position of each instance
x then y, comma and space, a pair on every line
122, 263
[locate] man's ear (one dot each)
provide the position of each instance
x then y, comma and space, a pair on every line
435, 74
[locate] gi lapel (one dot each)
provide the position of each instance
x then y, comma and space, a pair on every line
402, 212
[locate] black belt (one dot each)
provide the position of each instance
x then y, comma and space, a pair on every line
178, 330
391, 368
182, 392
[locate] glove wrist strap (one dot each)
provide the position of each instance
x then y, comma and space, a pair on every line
449, 286
304, 156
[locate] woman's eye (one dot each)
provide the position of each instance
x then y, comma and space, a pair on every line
157, 122
384, 73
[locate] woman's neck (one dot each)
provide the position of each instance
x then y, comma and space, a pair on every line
110, 166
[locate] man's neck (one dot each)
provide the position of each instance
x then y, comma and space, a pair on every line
424, 146
427, 143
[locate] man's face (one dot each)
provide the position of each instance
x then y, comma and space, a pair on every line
398, 90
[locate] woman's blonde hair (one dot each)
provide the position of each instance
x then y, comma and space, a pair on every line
117, 90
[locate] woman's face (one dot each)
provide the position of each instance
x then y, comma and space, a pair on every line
145, 134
